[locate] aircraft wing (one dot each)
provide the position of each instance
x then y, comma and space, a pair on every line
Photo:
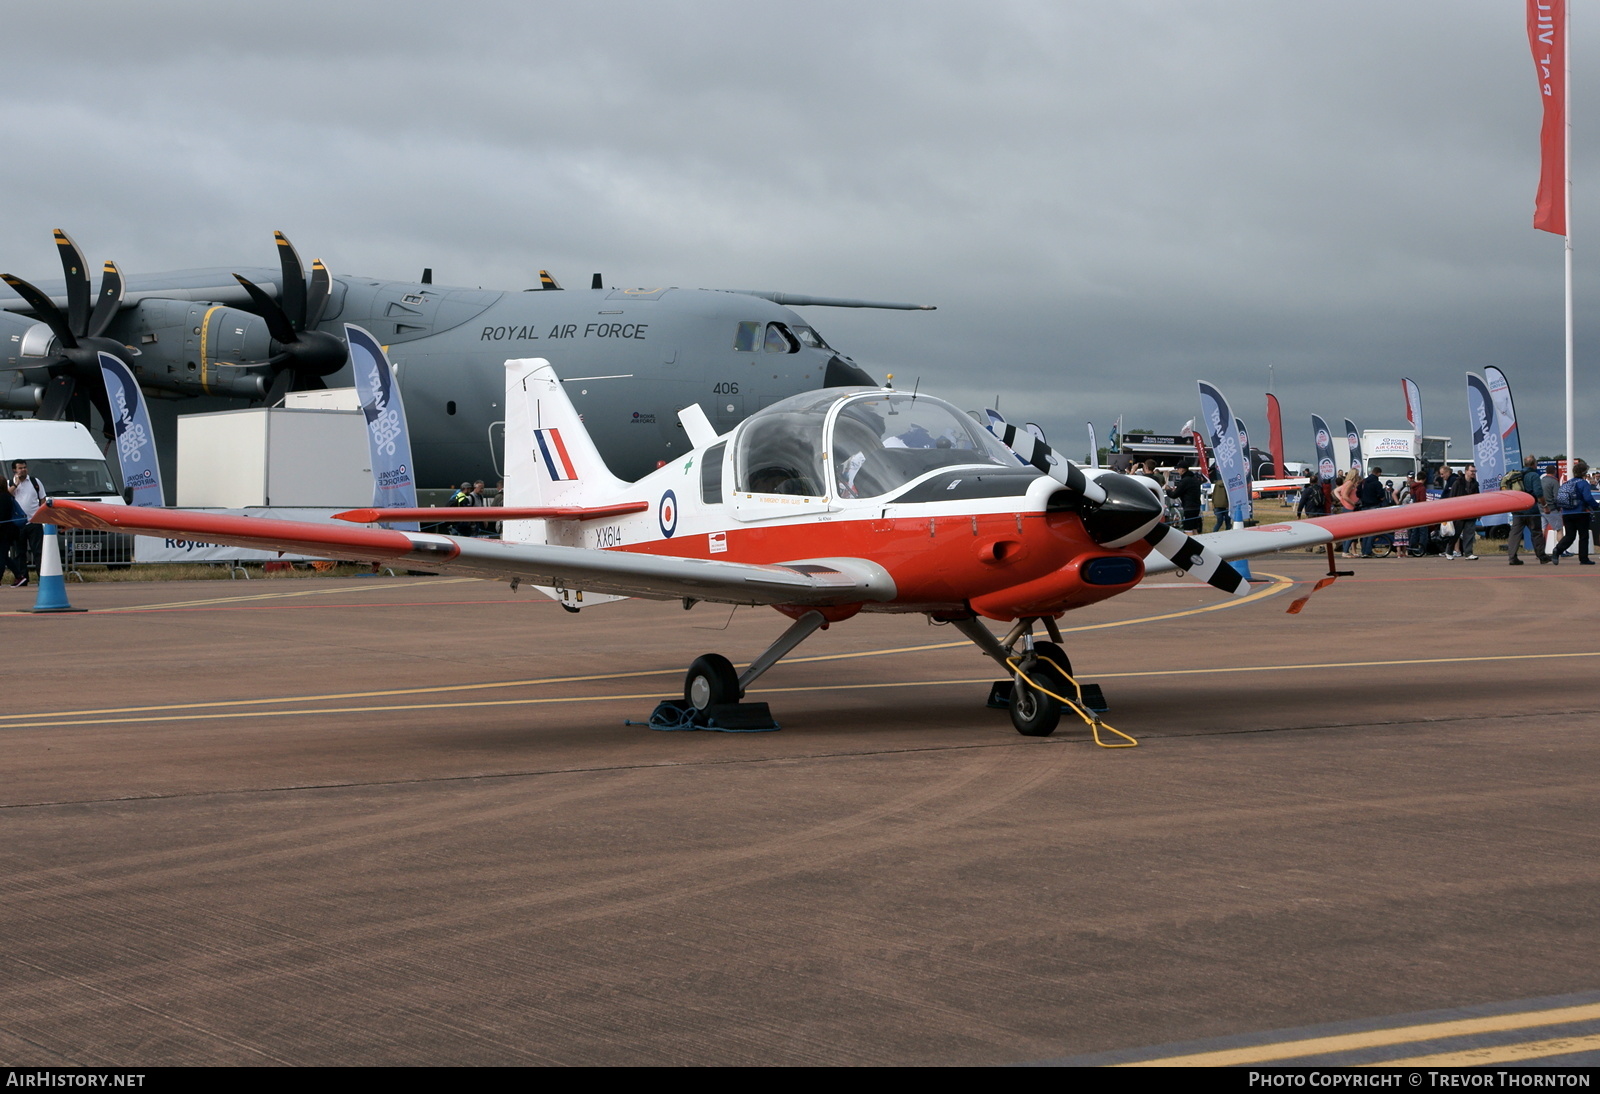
818, 581
1264, 539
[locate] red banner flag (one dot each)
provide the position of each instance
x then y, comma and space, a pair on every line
1275, 436
1547, 35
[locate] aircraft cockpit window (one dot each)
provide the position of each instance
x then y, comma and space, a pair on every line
809, 337
779, 449
711, 474
779, 340
748, 335
882, 442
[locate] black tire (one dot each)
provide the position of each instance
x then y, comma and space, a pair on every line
1033, 713
711, 681
1383, 544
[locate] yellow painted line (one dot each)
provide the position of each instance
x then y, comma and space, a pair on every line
1278, 585
1499, 1054
461, 705
280, 596
547, 680
48, 718
1347, 1042
1346, 664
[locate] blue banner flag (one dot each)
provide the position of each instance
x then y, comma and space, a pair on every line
1327, 469
393, 484
1488, 446
1353, 439
1244, 507
136, 441
1221, 430
1505, 416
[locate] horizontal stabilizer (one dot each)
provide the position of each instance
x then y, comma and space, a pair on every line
492, 514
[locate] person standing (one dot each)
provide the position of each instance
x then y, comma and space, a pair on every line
1370, 495
12, 524
1219, 504
1186, 488
1465, 535
1313, 501
1577, 502
1530, 518
29, 494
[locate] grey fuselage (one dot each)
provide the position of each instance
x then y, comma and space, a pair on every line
631, 358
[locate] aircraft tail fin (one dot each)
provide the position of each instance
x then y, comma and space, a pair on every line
550, 458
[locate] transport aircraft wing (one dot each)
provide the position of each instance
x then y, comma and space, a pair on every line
817, 581
1264, 539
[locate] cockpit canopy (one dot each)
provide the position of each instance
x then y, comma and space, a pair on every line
861, 443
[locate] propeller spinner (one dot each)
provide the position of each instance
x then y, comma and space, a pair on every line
1117, 509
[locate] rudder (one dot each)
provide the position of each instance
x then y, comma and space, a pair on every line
550, 457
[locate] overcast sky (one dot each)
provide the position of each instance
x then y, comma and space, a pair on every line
1107, 201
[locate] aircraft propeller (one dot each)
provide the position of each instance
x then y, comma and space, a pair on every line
305, 355
75, 380
1117, 509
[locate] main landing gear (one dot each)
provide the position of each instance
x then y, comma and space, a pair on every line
713, 688
1042, 686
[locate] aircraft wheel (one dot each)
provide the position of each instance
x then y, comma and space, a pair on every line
1033, 713
711, 681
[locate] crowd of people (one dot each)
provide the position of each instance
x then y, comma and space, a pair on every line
470, 495
1565, 508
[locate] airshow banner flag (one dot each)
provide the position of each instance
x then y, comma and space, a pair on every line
136, 441
1094, 449
1547, 36
1505, 416
394, 486
1413, 396
1221, 430
1488, 447
1275, 436
1353, 438
1241, 506
1326, 468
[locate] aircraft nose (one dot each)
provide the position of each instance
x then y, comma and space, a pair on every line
1129, 511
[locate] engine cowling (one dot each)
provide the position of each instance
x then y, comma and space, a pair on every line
195, 348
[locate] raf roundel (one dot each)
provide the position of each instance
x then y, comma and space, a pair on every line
667, 513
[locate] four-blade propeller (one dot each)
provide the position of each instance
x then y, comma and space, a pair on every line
74, 368
305, 354
1117, 509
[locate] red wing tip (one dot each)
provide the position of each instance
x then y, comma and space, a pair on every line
358, 516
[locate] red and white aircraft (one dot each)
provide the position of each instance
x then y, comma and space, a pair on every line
823, 505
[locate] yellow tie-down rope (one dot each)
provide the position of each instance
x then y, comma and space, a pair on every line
1077, 706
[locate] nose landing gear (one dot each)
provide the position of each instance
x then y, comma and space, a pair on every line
1042, 685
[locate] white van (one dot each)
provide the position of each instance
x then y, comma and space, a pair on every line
62, 456
68, 464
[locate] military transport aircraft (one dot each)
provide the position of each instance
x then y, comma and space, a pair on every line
630, 357
823, 505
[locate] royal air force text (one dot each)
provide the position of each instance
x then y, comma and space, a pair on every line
565, 330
